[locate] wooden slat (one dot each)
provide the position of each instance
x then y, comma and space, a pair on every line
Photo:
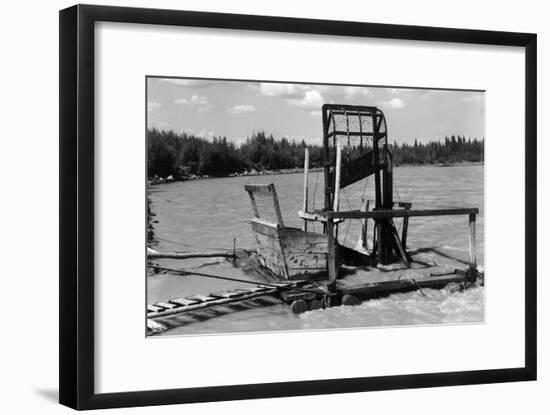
226, 294
165, 305
212, 303
381, 214
201, 298
262, 189
251, 289
183, 301
276, 204
265, 228
153, 309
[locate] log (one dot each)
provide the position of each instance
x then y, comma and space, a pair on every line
186, 255
374, 289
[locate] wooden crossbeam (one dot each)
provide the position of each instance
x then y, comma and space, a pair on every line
383, 214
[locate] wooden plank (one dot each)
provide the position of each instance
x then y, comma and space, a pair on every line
153, 308
318, 216
165, 305
276, 204
262, 189
187, 255
338, 176
381, 214
305, 252
394, 286
271, 254
254, 205
265, 228
213, 303
183, 301
252, 289
201, 298
226, 294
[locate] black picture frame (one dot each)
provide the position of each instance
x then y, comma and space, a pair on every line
76, 278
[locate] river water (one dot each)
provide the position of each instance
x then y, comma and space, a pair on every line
214, 214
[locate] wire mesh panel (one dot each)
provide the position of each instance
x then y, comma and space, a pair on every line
361, 132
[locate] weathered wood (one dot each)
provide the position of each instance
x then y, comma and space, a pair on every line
381, 214
264, 227
183, 301
200, 298
276, 204
332, 266
187, 255
306, 183
318, 216
270, 252
254, 205
262, 189
399, 247
364, 225
226, 294
388, 287
338, 175
304, 252
472, 244
165, 305
212, 303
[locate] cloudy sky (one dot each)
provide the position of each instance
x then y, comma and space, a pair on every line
235, 109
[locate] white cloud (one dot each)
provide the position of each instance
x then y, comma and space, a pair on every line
312, 100
241, 109
351, 92
394, 103
152, 105
199, 102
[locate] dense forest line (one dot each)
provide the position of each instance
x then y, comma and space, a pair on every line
185, 156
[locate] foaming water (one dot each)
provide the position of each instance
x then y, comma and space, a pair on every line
209, 214
435, 307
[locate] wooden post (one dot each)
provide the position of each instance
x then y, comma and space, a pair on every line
276, 204
331, 260
337, 184
473, 259
338, 175
404, 232
306, 172
364, 228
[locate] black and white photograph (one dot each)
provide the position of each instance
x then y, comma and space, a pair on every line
294, 206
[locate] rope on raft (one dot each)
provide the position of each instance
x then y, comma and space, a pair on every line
293, 286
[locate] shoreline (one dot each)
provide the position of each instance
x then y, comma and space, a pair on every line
152, 181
